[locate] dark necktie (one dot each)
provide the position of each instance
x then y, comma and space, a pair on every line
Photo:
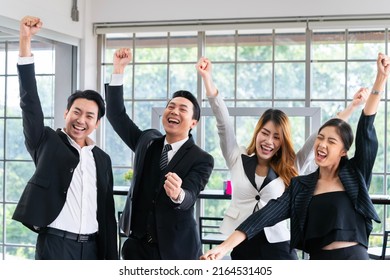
164, 156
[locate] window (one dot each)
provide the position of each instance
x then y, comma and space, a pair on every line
16, 166
279, 67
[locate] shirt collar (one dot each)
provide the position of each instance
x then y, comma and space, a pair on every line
176, 146
90, 143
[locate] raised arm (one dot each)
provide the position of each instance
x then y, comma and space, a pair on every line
204, 67
359, 98
29, 26
304, 161
383, 70
227, 138
33, 119
116, 111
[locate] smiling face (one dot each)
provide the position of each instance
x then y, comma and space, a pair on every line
268, 141
329, 147
81, 120
178, 119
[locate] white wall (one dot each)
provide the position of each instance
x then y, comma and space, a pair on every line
57, 21
149, 10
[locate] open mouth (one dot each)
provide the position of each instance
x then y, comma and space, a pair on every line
321, 154
78, 128
266, 149
173, 121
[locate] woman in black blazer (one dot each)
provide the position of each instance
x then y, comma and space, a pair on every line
331, 211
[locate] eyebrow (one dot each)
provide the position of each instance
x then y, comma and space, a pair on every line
329, 138
267, 130
180, 105
88, 113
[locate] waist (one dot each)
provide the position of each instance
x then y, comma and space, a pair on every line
339, 244
70, 235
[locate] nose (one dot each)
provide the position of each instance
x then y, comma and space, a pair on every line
321, 145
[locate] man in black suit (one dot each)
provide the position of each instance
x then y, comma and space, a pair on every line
159, 213
69, 199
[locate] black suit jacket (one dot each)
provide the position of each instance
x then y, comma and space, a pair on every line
177, 231
355, 175
55, 160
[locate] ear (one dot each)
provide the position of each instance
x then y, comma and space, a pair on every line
65, 113
343, 153
193, 124
97, 123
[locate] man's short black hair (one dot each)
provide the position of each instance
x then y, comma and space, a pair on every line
188, 95
90, 95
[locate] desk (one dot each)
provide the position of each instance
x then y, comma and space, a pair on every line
121, 190
219, 194
214, 194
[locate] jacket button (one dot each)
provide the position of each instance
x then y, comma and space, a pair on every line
257, 197
71, 170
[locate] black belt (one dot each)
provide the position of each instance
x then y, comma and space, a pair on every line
70, 235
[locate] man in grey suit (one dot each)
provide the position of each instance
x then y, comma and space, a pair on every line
69, 199
159, 213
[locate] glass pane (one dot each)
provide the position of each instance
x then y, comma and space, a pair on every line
151, 47
329, 109
220, 46
16, 178
251, 103
45, 86
254, 47
290, 46
1, 184
19, 253
381, 131
292, 103
143, 112
223, 76
15, 147
377, 185
361, 74
1, 223
212, 142
2, 96
183, 47
216, 179
2, 57
254, 80
365, 44
183, 77
12, 58
328, 45
150, 81
16, 232
2, 138
290, 80
119, 152
328, 80
245, 129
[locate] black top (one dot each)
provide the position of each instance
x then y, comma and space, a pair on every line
332, 217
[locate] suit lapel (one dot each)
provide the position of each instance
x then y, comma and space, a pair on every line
249, 163
304, 194
180, 154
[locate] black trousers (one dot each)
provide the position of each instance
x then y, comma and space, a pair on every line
258, 248
52, 247
356, 252
139, 249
